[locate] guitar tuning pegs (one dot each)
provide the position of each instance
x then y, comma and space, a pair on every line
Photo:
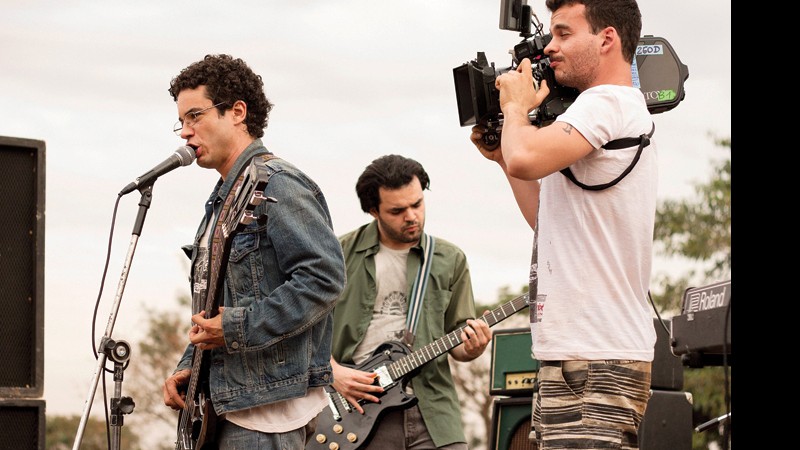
333, 446
338, 429
352, 437
321, 438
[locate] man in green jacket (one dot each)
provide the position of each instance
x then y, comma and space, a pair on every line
403, 285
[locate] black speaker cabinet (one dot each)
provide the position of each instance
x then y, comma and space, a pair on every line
511, 424
22, 424
667, 422
667, 370
22, 181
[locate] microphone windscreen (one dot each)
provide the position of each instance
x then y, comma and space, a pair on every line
186, 155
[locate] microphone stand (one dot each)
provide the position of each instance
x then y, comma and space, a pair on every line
106, 343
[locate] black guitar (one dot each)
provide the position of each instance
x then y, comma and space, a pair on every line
197, 420
341, 427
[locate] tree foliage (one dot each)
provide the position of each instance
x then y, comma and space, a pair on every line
156, 359
61, 431
150, 425
697, 229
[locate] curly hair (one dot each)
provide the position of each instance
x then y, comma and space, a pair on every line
623, 15
227, 80
390, 172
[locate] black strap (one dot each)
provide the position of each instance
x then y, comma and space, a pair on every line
642, 141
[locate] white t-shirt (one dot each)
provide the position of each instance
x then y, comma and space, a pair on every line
283, 416
391, 305
595, 247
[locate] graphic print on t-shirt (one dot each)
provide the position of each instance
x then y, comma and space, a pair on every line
388, 324
200, 279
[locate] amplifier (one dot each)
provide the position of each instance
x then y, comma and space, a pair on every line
513, 369
667, 421
511, 424
704, 327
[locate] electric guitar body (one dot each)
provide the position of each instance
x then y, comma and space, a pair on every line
341, 427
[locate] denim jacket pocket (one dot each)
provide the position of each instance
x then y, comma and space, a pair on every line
243, 243
245, 267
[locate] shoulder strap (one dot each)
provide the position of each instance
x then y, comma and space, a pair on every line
418, 290
642, 141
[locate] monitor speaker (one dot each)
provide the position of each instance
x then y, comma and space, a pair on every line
22, 424
22, 182
667, 422
511, 424
667, 369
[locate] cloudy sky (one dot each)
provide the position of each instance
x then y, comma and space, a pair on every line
351, 80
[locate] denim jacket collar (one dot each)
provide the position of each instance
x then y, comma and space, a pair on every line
255, 148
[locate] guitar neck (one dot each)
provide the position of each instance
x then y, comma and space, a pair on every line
236, 213
428, 353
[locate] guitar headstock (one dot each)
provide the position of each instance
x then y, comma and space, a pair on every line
249, 194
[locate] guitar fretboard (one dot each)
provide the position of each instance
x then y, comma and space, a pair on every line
418, 358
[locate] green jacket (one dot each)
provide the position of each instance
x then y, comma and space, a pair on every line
448, 303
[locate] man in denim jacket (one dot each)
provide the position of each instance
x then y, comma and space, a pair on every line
269, 346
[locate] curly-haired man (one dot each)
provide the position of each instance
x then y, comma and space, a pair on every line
267, 350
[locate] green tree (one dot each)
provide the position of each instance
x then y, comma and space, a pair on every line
60, 432
699, 229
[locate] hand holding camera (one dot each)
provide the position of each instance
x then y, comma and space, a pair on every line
657, 72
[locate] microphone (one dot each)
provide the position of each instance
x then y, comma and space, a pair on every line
183, 156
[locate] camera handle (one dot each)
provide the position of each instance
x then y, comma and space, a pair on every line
491, 139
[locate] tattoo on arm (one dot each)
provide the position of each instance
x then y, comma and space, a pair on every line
567, 129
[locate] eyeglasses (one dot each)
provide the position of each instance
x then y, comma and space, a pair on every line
191, 118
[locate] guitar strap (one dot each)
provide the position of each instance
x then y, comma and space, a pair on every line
217, 241
418, 290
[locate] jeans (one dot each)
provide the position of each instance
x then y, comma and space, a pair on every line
233, 437
405, 429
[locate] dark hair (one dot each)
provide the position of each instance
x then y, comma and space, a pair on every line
390, 172
623, 15
227, 80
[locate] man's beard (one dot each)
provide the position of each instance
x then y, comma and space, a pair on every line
401, 236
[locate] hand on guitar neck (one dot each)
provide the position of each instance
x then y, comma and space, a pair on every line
174, 389
206, 333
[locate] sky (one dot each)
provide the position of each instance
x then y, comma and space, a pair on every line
351, 80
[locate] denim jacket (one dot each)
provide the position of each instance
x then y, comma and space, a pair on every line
281, 283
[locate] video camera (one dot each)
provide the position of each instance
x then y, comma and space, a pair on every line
656, 71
